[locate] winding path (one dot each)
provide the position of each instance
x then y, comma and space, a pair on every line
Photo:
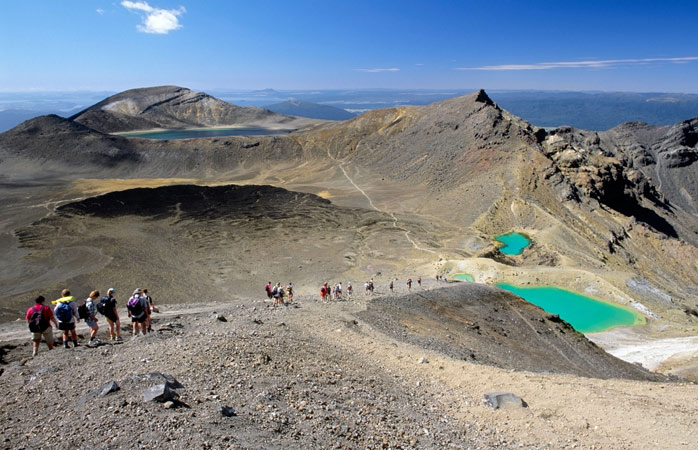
373, 205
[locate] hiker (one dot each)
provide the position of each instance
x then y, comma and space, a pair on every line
137, 311
289, 291
338, 291
107, 308
349, 289
39, 318
275, 293
91, 319
367, 288
419, 281
371, 286
409, 284
151, 309
268, 289
323, 292
278, 294
390, 286
66, 312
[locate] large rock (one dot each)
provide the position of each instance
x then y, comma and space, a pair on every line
498, 400
160, 393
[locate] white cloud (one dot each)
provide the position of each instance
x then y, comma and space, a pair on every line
155, 20
392, 69
602, 63
100, 11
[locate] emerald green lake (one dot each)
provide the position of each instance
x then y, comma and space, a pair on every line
204, 133
514, 243
585, 314
463, 277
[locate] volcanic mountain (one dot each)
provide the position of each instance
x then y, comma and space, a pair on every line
174, 107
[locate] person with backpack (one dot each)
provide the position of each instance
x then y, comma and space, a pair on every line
151, 308
409, 284
289, 291
268, 290
137, 306
66, 312
39, 318
349, 289
107, 308
90, 307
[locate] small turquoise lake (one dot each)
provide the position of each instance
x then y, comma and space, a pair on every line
205, 133
463, 277
585, 314
514, 243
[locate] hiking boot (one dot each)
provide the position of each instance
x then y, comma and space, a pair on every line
75, 344
65, 344
119, 339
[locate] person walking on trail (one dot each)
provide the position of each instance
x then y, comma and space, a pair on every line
137, 306
419, 281
289, 291
107, 307
350, 290
367, 288
39, 318
151, 309
66, 311
323, 292
409, 284
91, 319
390, 286
268, 290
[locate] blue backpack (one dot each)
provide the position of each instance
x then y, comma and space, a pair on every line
63, 312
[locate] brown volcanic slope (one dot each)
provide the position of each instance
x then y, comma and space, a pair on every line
462, 170
175, 107
191, 241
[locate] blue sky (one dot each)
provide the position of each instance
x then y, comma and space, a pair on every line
115, 45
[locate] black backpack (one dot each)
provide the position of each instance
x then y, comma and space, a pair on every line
37, 321
83, 313
103, 306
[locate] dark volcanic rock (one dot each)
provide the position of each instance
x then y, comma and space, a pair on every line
160, 393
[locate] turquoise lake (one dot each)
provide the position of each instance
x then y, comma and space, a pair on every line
463, 277
514, 243
585, 314
205, 133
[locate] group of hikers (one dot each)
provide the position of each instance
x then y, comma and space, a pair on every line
278, 292
334, 292
68, 312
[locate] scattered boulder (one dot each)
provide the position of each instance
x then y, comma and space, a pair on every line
226, 411
498, 400
160, 393
108, 388
164, 378
423, 360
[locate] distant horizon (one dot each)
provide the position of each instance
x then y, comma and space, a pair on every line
338, 89
105, 45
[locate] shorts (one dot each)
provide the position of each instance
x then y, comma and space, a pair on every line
47, 335
110, 320
140, 319
91, 322
66, 326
